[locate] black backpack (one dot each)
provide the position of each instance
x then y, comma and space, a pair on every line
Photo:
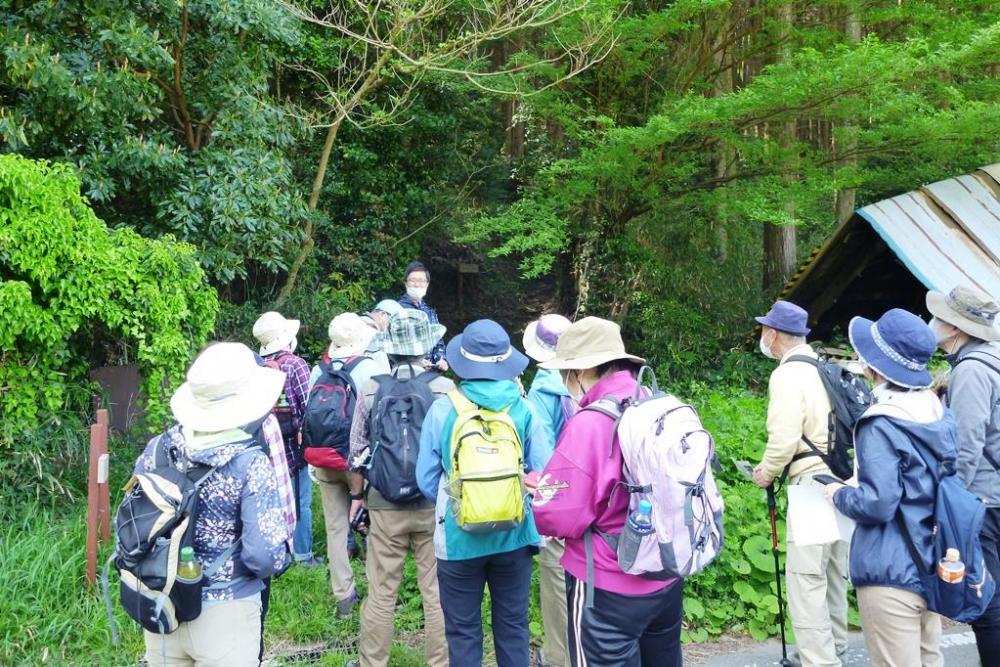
394, 426
326, 426
849, 398
155, 520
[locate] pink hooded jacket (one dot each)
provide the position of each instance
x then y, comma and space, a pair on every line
585, 468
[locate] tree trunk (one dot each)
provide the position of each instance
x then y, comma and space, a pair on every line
779, 240
725, 157
846, 200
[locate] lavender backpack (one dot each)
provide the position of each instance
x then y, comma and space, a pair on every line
668, 458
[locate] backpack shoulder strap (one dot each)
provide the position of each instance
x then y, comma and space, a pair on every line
607, 406
813, 361
985, 358
427, 377
461, 402
353, 363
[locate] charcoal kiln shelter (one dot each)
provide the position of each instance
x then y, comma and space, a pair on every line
888, 254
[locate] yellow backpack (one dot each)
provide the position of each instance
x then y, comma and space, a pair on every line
487, 468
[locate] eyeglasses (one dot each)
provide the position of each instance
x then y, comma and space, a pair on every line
422, 282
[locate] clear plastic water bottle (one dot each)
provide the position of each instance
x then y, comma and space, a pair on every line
951, 570
641, 520
638, 525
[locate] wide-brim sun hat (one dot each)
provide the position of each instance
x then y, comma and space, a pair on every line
541, 336
226, 388
274, 332
897, 346
589, 343
969, 309
483, 352
349, 336
411, 334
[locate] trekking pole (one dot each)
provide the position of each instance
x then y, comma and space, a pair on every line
771, 509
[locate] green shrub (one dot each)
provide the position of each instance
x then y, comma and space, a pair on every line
74, 293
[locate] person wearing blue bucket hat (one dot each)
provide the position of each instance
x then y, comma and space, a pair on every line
895, 486
489, 551
798, 419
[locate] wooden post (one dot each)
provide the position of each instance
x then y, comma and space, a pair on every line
98, 512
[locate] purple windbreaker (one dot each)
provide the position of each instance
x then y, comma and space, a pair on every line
586, 467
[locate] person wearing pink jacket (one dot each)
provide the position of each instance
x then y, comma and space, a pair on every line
633, 621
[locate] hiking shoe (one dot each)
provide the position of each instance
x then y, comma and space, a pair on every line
353, 663
312, 561
346, 606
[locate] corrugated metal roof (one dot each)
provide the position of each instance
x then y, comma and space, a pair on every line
947, 233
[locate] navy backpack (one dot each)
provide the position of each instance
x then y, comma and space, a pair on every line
958, 520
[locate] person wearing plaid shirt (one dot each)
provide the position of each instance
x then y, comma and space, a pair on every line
396, 529
417, 278
278, 339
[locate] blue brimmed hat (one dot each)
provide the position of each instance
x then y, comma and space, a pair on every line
785, 316
897, 346
483, 352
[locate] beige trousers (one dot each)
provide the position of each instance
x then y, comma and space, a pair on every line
816, 578
552, 595
899, 631
335, 491
393, 533
226, 634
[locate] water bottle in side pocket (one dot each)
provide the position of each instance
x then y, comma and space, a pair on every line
638, 525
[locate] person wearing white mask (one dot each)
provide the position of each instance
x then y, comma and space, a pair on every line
417, 279
964, 327
798, 414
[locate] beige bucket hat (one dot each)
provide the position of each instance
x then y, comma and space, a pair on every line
274, 332
349, 336
226, 388
588, 344
967, 308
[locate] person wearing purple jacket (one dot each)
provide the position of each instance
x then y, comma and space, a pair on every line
633, 621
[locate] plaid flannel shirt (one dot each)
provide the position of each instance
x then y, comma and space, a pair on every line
296, 372
286, 493
436, 354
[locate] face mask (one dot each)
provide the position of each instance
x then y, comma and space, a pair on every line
565, 378
765, 349
416, 293
294, 344
941, 337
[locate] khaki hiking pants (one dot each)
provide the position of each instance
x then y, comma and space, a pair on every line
552, 594
335, 491
226, 634
816, 579
393, 533
899, 631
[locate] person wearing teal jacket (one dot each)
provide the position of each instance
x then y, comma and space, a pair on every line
555, 406
484, 359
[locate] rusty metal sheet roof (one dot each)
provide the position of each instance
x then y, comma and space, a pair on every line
947, 233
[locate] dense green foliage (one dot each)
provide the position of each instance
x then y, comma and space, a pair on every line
642, 188
71, 289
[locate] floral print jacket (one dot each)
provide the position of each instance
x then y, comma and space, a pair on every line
239, 500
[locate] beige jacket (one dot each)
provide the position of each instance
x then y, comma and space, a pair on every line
797, 405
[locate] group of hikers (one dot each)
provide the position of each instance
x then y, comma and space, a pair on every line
476, 478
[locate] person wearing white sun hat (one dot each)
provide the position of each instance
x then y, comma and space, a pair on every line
221, 410
278, 338
349, 338
555, 406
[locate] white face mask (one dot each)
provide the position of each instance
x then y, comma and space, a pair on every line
416, 293
294, 344
941, 337
765, 350
576, 376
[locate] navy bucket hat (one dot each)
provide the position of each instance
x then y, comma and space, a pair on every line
787, 317
483, 352
898, 346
